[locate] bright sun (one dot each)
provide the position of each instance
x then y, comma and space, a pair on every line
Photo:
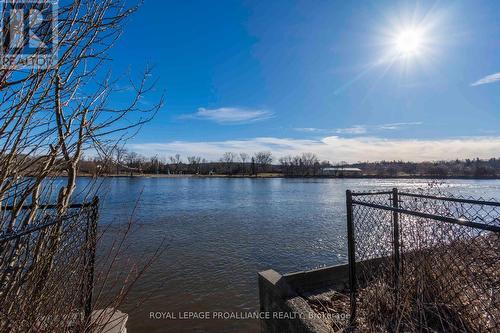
409, 42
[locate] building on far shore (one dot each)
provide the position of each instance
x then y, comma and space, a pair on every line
341, 172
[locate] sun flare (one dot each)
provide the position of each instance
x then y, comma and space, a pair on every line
409, 42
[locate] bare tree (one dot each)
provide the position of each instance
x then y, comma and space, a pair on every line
120, 156
49, 118
244, 157
228, 157
287, 164
311, 164
176, 161
263, 160
155, 164
227, 160
306, 164
194, 162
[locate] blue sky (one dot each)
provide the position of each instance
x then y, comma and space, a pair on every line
320, 76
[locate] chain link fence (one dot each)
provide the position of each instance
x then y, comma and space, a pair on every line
423, 263
47, 267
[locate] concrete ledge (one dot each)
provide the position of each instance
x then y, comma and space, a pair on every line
284, 305
335, 277
109, 320
280, 294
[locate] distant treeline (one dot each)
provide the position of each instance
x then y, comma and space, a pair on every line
123, 162
458, 168
303, 165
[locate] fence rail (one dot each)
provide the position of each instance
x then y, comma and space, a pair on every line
433, 260
6, 236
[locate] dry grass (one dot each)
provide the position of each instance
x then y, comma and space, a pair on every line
453, 288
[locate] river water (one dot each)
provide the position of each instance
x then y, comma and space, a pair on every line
220, 232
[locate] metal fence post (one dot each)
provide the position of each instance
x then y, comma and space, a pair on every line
351, 247
91, 239
396, 245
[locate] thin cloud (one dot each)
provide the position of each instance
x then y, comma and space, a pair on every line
359, 129
230, 115
487, 80
334, 148
356, 129
397, 126
309, 129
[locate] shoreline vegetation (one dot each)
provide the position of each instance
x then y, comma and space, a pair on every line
279, 175
122, 163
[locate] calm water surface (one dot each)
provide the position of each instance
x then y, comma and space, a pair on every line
221, 232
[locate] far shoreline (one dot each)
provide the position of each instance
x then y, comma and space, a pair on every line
279, 175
